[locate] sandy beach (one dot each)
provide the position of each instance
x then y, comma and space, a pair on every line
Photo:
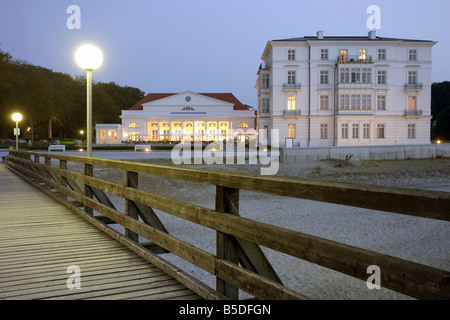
416, 239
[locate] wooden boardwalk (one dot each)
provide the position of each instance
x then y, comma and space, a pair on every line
40, 238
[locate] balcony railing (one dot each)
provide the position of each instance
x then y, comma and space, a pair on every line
413, 86
354, 58
296, 113
416, 112
292, 86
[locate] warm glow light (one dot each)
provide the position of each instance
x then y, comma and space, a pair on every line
17, 116
81, 131
81, 150
438, 142
89, 57
146, 150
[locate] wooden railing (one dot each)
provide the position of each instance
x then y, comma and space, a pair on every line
238, 238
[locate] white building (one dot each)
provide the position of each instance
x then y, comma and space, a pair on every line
346, 90
186, 116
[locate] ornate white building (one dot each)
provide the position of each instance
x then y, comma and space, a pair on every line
346, 90
186, 116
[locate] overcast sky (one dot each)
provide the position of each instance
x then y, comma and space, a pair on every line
202, 45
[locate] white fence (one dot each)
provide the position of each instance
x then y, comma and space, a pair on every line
288, 155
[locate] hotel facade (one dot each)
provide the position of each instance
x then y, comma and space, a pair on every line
322, 91
186, 116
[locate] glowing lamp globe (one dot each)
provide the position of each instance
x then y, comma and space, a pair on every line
89, 57
17, 117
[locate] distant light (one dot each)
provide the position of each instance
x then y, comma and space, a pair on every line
89, 57
438, 142
146, 150
17, 116
81, 150
214, 149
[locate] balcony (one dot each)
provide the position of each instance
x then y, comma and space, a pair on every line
354, 59
414, 113
292, 87
413, 86
292, 113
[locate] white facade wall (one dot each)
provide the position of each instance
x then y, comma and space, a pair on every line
308, 66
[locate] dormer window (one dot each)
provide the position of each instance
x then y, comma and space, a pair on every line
187, 109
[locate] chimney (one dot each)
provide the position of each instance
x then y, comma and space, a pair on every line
320, 34
372, 34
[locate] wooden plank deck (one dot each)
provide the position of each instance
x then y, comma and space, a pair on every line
40, 238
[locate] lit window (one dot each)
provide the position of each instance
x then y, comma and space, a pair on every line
343, 55
362, 54
291, 131
243, 125
412, 102
291, 102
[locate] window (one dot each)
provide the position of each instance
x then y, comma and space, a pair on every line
344, 101
291, 102
291, 54
343, 55
264, 105
323, 54
355, 75
344, 129
380, 131
381, 54
412, 77
291, 77
291, 131
323, 77
324, 131
381, 77
324, 102
366, 101
362, 54
412, 55
243, 125
412, 102
355, 131
188, 108
366, 131
411, 131
381, 102
366, 75
133, 125
355, 101
265, 81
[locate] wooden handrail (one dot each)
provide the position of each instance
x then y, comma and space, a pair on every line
404, 276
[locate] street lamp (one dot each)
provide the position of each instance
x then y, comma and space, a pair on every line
89, 58
17, 117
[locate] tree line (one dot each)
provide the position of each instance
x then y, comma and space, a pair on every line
53, 104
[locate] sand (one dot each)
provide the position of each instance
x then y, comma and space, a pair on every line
421, 240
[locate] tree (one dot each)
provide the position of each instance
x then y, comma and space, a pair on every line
440, 110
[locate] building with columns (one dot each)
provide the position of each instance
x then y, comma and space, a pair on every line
186, 116
321, 91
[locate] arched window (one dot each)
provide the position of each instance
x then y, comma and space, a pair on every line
243, 125
188, 108
133, 125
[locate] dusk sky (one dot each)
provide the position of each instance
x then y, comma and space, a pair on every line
201, 45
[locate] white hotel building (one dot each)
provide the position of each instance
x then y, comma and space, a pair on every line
185, 116
346, 90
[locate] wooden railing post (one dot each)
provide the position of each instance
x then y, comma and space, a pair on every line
227, 247
131, 180
63, 165
88, 171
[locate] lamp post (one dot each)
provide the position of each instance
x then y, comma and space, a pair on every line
17, 117
89, 58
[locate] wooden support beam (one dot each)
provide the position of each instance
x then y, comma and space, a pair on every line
131, 180
226, 245
88, 171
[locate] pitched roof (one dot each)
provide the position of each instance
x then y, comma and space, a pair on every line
228, 97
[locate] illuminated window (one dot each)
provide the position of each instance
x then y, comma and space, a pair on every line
133, 125
412, 102
243, 125
362, 54
343, 55
291, 131
291, 102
